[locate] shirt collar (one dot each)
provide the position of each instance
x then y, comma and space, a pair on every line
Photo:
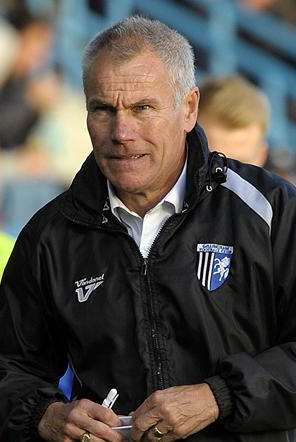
175, 196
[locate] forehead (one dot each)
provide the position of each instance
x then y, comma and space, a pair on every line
141, 73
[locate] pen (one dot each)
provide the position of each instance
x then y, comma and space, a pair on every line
111, 397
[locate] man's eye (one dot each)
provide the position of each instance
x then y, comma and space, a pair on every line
142, 107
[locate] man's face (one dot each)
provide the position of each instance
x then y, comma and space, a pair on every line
246, 144
138, 135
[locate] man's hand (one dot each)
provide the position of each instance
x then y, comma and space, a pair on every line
67, 422
177, 412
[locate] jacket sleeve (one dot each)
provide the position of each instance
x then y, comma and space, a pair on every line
258, 392
32, 354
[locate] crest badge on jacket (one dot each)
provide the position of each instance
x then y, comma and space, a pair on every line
213, 264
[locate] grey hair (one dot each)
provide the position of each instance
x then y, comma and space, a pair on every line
130, 36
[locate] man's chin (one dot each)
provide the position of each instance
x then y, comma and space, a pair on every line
127, 187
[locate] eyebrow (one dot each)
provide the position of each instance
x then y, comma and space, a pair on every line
98, 102
146, 100
143, 101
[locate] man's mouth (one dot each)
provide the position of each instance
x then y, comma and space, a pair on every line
137, 156
128, 157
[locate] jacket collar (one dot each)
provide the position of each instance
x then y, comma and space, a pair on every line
197, 169
87, 201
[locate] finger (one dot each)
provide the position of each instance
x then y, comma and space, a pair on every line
143, 408
105, 415
97, 429
160, 432
91, 417
91, 436
71, 432
142, 423
98, 412
114, 437
146, 415
106, 433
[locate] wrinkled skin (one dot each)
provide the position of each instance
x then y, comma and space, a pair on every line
137, 131
67, 422
177, 412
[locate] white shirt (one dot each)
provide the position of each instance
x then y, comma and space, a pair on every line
144, 230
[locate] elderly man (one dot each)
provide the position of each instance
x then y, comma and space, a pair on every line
163, 272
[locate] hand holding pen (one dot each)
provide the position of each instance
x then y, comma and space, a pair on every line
108, 402
125, 426
82, 420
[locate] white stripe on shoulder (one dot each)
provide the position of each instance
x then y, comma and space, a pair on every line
250, 195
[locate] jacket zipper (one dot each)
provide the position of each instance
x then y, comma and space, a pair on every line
157, 368
154, 335
155, 339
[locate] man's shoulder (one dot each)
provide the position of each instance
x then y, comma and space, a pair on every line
269, 184
265, 193
45, 218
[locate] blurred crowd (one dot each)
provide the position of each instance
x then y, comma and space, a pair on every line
43, 136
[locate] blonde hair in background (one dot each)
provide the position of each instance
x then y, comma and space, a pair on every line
234, 103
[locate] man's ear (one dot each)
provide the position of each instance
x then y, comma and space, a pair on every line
191, 109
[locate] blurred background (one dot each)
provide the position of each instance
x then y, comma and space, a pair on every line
43, 137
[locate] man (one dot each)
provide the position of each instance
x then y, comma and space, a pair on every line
160, 272
235, 115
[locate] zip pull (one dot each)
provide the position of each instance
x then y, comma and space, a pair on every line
144, 267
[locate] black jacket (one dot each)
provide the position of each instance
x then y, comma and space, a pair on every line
214, 302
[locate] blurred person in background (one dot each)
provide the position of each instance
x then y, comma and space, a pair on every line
235, 115
283, 9
6, 246
162, 272
9, 41
20, 100
40, 121
60, 127
282, 162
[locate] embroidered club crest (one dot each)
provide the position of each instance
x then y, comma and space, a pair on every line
213, 264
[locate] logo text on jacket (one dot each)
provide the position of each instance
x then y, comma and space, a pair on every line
213, 264
86, 286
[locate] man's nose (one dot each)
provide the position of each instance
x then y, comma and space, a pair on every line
123, 128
